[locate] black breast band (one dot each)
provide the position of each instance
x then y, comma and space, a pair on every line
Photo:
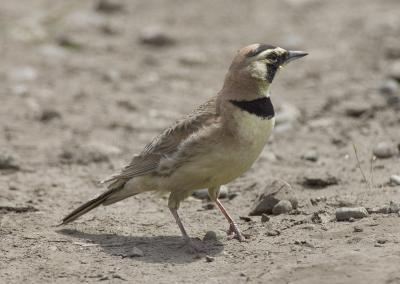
261, 107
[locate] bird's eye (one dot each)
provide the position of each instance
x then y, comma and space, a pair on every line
272, 57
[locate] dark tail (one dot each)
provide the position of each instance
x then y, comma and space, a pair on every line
90, 205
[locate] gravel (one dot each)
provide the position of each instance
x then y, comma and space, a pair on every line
395, 179
346, 213
384, 150
310, 155
282, 207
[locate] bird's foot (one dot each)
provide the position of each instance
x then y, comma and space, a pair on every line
234, 233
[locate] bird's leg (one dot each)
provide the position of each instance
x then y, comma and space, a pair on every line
233, 230
188, 242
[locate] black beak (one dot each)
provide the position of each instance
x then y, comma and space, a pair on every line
293, 55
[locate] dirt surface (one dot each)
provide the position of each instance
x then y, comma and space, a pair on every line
84, 86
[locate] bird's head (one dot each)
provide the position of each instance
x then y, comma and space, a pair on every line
256, 65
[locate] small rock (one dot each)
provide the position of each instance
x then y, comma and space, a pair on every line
110, 6
49, 114
381, 241
318, 180
276, 191
282, 207
210, 236
395, 179
264, 218
68, 42
155, 36
208, 206
394, 70
245, 218
374, 210
112, 76
390, 88
8, 161
311, 155
315, 201
384, 150
394, 207
209, 258
358, 229
203, 193
135, 252
25, 73
345, 213
356, 109
192, 58
273, 233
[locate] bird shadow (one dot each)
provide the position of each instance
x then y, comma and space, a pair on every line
158, 249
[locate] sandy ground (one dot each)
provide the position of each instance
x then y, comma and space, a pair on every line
82, 90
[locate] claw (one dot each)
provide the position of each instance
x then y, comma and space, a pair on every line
234, 233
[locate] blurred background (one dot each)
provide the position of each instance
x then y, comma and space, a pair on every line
85, 84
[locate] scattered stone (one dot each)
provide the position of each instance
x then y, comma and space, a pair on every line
127, 104
203, 193
319, 218
245, 218
232, 195
23, 74
394, 70
304, 243
381, 241
316, 200
385, 209
395, 179
209, 258
384, 150
264, 218
155, 36
208, 206
8, 161
282, 207
273, 233
274, 192
192, 58
358, 229
110, 6
394, 207
210, 236
374, 210
49, 114
390, 88
311, 155
68, 42
318, 180
135, 252
345, 213
356, 109
112, 76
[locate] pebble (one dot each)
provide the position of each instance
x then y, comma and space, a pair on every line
358, 229
209, 258
311, 155
384, 150
192, 58
135, 252
274, 192
23, 74
356, 109
395, 179
264, 218
273, 233
203, 193
68, 42
109, 6
210, 236
390, 87
394, 207
394, 70
49, 114
282, 207
318, 180
8, 161
345, 213
155, 36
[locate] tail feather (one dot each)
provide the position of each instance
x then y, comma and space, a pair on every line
114, 187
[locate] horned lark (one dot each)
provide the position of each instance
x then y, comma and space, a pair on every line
213, 145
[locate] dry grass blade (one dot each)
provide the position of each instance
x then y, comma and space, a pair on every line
359, 166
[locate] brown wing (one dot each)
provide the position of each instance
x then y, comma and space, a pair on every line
166, 143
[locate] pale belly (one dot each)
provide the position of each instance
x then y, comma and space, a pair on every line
226, 161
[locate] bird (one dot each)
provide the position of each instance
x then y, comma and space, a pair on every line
211, 146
